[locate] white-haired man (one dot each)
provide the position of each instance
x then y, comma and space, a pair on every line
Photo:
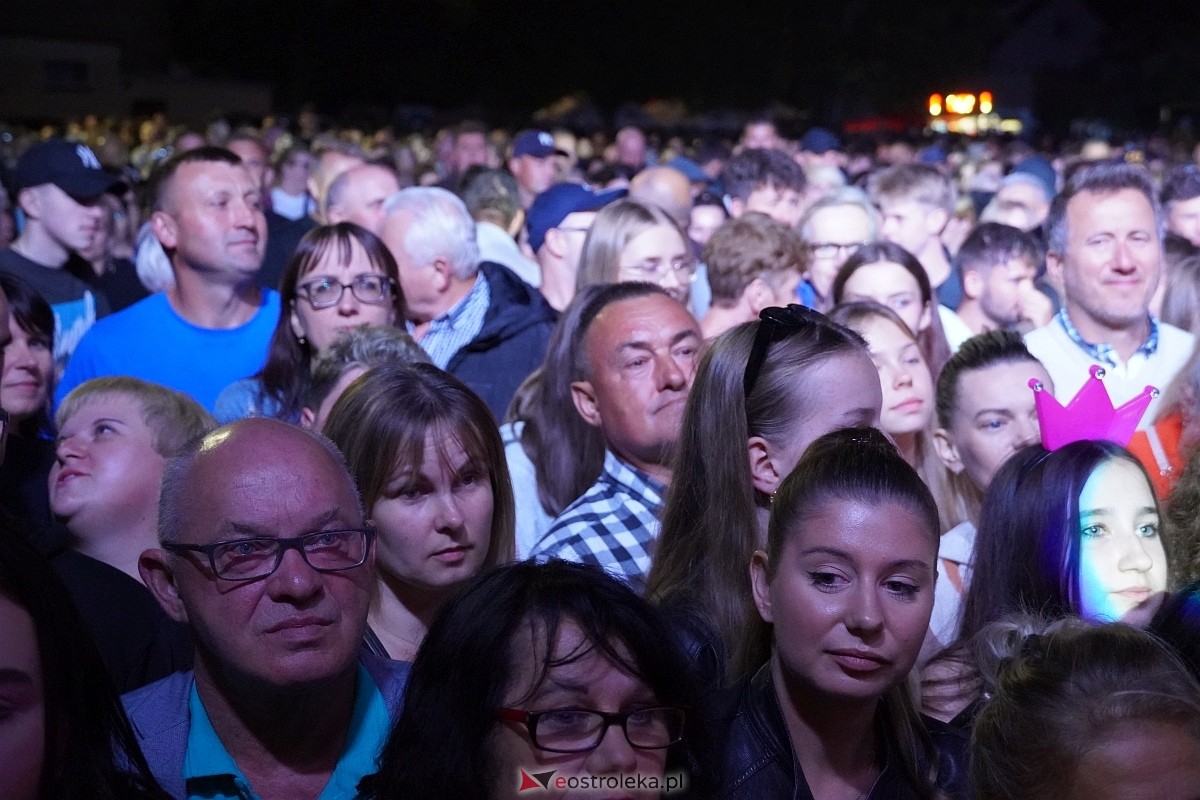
477, 320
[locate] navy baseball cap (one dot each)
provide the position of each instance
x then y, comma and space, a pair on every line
538, 144
70, 166
819, 141
552, 206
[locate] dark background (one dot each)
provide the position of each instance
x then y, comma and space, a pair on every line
1132, 65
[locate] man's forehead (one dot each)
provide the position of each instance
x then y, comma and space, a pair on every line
202, 176
639, 319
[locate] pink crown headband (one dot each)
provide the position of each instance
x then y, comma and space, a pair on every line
1089, 414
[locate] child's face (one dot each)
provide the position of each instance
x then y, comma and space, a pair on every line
107, 471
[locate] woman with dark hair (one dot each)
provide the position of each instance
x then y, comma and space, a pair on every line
831, 714
427, 458
542, 668
886, 273
63, 733
1074, 531
26, 389
762, 393
1083, 711
340, 277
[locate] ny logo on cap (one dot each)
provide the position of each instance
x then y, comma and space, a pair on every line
87, 156
545, 139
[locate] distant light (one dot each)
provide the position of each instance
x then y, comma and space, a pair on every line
985, 102
935, 105
960, 103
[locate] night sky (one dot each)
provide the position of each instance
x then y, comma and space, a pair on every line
832, 61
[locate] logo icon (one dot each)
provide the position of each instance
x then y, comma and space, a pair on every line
538, 780
87, 157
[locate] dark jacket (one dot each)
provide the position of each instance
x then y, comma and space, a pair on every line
512, 344
758, 762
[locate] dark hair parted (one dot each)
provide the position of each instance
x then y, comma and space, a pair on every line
1063, 693
286, 374
932, 339
380, 423
34, 316
90, 751
709, 531
566, 452
440, 748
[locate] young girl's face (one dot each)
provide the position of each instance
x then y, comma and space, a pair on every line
904, 377
850, 607
1122, 564
890, 285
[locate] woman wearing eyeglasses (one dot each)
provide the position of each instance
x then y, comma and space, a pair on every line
633, 241
340, 277
549, 672
427, 457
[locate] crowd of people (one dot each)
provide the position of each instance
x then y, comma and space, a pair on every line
344, 465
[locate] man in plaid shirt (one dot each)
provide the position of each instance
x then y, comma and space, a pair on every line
638, 362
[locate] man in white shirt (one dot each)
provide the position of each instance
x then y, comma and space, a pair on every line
1105, 248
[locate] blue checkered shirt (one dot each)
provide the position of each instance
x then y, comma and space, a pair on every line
613, 524
459, 326
1104, 352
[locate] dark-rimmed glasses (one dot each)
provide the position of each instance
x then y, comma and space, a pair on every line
258, 557
577, 730
374, 290
775, 323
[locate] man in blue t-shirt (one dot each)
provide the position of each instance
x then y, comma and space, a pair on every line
213, 326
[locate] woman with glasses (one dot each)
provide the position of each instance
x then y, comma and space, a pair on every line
340, 277
830, 715
428, 460
550, 672
633, 241
762, 393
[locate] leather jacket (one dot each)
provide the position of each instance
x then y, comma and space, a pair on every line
758, 762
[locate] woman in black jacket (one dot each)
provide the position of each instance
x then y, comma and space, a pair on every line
846, 586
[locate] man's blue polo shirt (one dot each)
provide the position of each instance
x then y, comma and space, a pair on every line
210, 773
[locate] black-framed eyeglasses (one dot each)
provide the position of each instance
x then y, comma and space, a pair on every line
257, 557
774, 323
577, 730
374, 290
